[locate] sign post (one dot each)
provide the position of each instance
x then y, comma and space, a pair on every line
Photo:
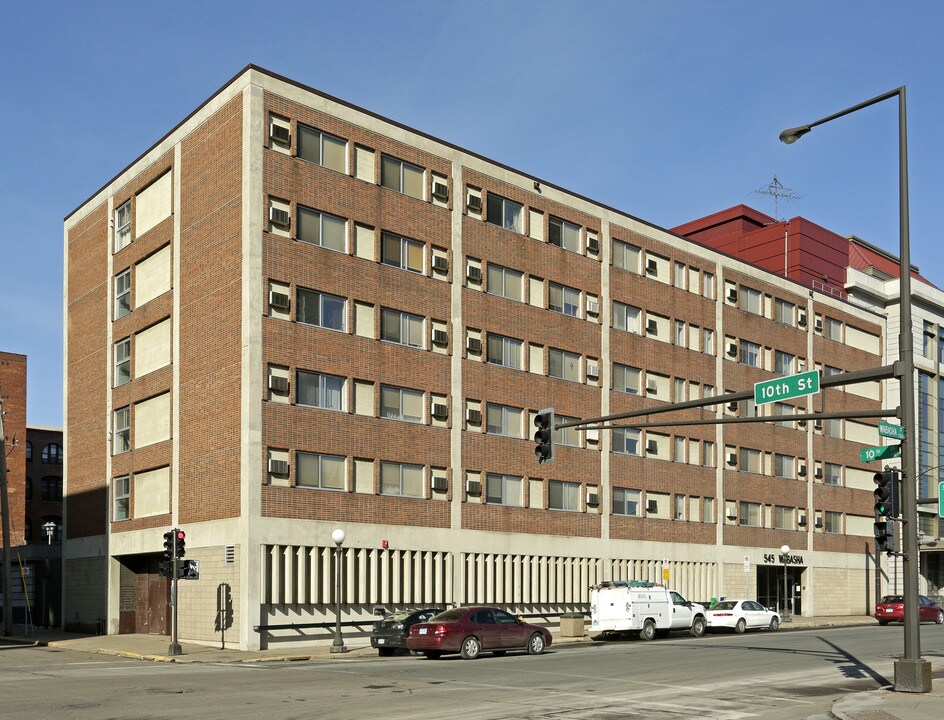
784, 388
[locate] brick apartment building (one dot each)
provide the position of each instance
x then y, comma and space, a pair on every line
292, 315
13, 395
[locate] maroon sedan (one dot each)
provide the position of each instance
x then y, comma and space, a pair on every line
470, 631
891, 608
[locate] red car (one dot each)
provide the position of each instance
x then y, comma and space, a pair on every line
470, 631
891, 608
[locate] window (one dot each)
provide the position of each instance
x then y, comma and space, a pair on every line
321, 309
51, 489
402, 253
750, 300
503, 420
832, 329
504, 213
401, 176
784, 409
563, 299
122, 361
504, 282
626, 256
681, 333
832, 521
401, 479
319, 471
52, 454
563, 234
784, 312
121, 497
678, 507
625, 502
567, 436
626, 317
680, 277
708, 510
783, 517
563, 495
749, 460
122, 294
318, 228
322, 149
749, 513
747, 408
564, 365
626, 379
123, 226
832, 427
679, 446
783, 362
401, 328
708, 456
784, 466
319, 390
750, 354
625, 441
708, 286
678, 390
504, 351
832, 473
503, 490
401, 404
29, 451
709, 341
122, 431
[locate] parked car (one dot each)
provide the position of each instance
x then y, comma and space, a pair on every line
739, 615
389, 635
652, 610
470, 631
891, 608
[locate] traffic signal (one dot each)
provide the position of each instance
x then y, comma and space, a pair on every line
165, 568
886, 493
884, 541
169, 545
544, 435
180, 543
188, 570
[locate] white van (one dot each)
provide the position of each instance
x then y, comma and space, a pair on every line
638, 605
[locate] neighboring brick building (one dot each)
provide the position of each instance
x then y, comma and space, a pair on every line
292, 315
14, 446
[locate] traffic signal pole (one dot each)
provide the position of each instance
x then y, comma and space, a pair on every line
176, 545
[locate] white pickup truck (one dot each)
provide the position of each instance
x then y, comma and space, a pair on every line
650, 609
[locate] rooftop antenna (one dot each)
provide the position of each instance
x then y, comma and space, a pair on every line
778, 190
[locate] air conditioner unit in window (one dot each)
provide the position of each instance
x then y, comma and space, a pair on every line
818, 324
593, 245
801, 318
732, 514
818, 473
652, 506
440, 411
593, 372
440, 263
474, 416
652, 446
474, 273
652, 267
440, 337
818, 425
474, 203
473, 487
732, 459
651, 387
732, 295
819, 522
278, 300
278, 467
440, 191
732, 349
278, 216
801, 521
593, 499
280, 133
652, 327
801, 423
474, 345
733, 406
593, 436
278, 383
801, 470
440, 484
593, 307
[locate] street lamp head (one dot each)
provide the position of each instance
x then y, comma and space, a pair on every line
793, 134
338, 537
785, 549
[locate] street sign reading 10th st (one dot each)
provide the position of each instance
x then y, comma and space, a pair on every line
791, 386
880, 453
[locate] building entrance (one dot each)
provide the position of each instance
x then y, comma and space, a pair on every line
771, 592
145, 597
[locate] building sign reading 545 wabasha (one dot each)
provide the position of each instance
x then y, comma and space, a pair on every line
771, 558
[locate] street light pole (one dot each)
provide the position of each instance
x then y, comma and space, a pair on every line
784, 553
912, 672
338, 645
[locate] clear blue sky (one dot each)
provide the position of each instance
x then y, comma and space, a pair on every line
668, 110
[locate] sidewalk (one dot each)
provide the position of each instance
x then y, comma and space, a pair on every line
882, 704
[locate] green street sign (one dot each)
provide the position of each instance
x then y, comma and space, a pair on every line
791, 386
940, 499
880, 453
886, 429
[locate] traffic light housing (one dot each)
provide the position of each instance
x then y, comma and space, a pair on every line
887, 492
188, 570
884, 541
544, 435
169, 545
180, 542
